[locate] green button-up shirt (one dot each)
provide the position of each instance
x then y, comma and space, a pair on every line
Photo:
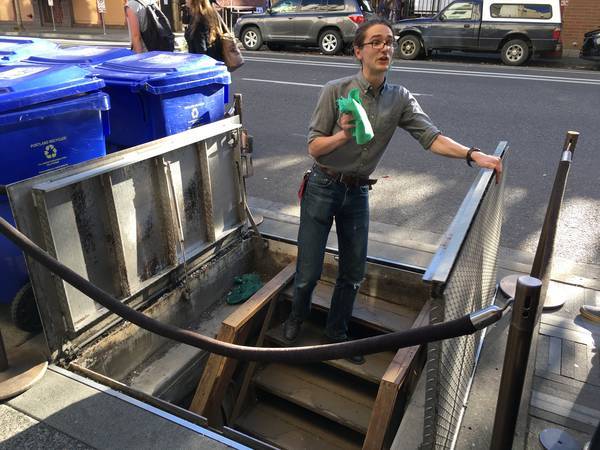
393, 106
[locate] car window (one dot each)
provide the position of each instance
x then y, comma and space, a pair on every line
520, 11
284, 6
458, 11
313, 5
336, 5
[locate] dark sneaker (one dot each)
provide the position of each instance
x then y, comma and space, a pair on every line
291, 329
354, 359
591, 313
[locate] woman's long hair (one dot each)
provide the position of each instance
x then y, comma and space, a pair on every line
203, 11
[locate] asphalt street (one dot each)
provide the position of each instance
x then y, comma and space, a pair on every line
476, 104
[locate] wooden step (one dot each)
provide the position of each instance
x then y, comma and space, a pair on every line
279, 426
319, 392
369, 311
372, 370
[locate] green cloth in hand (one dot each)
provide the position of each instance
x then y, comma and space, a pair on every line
363, 131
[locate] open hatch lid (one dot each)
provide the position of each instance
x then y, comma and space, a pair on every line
114, 220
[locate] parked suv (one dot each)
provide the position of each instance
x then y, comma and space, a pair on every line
515, 28
330, 24
591, 46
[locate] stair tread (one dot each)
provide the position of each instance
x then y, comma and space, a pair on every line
336, 399
372, 370
288, 431
367, 310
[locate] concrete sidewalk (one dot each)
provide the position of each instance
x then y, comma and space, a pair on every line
115, 36
65, 411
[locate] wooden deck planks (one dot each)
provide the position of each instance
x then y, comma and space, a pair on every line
563, 333
574, 360
565, 408
542, 356
554, 355
566, 386
568, 389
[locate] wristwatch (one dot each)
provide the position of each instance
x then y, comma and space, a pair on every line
469, 158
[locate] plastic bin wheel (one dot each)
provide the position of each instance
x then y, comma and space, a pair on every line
23, 310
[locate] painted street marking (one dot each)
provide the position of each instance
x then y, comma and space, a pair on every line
452, 72
307, 84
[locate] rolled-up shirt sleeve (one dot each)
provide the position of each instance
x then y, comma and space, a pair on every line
325, 114
416, 122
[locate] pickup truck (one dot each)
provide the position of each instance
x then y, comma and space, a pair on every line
514, 28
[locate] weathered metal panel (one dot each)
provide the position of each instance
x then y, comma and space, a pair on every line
119, 220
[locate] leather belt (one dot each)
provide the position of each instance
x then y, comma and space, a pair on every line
348, 180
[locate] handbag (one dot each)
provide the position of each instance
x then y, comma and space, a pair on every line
232, 57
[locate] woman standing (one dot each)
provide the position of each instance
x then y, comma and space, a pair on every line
137, 22
203, 33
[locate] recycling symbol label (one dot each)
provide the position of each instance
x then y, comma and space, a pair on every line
50, 151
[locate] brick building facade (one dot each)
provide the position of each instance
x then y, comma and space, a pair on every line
579, 16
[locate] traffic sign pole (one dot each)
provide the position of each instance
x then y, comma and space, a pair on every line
51, 5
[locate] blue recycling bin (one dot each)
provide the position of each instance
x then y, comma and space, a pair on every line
14, 49
50, 117
84, 55
13, 272
157, 94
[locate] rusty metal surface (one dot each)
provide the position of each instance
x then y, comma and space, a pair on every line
113, 219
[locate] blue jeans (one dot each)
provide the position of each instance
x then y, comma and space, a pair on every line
323, 201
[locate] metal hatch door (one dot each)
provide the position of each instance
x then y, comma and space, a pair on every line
118, 221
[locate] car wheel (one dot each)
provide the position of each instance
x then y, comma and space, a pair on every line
515, 52
23, 310
251, 38
330, 42
409, 47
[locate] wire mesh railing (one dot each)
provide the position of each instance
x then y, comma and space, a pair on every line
463, 278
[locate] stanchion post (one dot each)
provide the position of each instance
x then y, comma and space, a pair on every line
514, 370
52, 14
542, 263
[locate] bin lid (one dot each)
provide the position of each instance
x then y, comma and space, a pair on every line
84, 54
23, 85
162, 72
96, 101
16, 48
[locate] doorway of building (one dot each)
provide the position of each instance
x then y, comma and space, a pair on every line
46, 12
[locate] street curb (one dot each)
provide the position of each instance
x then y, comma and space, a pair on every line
120, 37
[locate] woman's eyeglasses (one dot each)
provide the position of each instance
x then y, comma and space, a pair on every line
378, 45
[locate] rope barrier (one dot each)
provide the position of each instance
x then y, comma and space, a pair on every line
467, 324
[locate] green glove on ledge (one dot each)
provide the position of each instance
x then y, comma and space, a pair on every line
363, 131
